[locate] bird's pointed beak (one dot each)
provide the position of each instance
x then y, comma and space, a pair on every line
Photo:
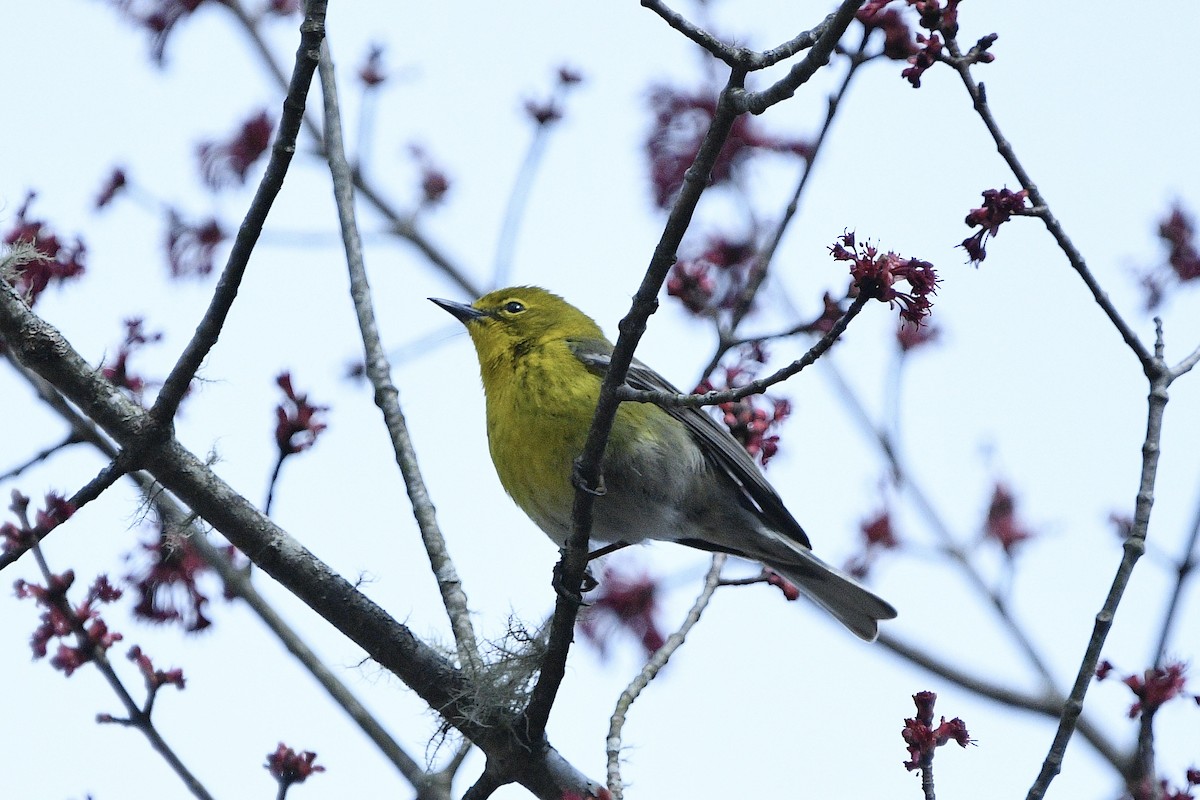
461, 311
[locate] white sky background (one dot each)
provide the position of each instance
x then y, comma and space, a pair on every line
768, 699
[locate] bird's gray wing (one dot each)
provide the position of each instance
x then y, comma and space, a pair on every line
714, 439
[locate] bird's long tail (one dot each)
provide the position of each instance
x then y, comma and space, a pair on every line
855, 606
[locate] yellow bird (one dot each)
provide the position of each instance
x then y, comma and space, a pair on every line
672, 474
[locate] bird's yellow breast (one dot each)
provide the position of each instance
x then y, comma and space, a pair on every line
536, 407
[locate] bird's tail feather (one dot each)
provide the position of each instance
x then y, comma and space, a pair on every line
855, 606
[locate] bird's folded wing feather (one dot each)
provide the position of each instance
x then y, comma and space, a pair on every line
714, 439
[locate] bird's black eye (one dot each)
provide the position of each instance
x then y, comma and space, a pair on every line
513, 307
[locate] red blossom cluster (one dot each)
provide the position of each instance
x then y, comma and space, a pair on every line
289, 767
434, 181
922, 737
191, 247
875, 274
159, 17
1178, 233
225, 163
898, 42
680, 122
713, 280
752, 419
938, 17
14, 537
60, 620
56, 261
371, 73
168, 582
910, 337
623, 602
926, 56
1165, 791
297, 425
1154, 687
999, 206
117, 372
1001, 524
155, 678
877, 535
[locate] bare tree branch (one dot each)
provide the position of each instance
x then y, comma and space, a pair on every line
659, 660
312, 32
446, 689
387, 397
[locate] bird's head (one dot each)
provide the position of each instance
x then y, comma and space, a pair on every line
510, 322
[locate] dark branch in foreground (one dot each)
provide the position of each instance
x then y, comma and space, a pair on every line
312, 33
446, 689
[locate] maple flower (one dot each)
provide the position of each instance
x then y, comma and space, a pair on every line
624, 602
910, 337
922, 737
55, 261
681, 119
999, 206
1156, 686
1001, 524
155, 678
875, 274
753, 419
159, 17
56, 511
289, 767
1177, 231
898, 43
297, 425
117, 371
371, 73
191, 248
168, 582
225, 163
60, 619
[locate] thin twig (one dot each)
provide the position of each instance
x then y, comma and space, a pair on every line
138, 717
1135, 545
312, 32
827, 34
1184, 570
236, 583
40, 456
1048, 704
659, 660
518, 199
401, 225
387, 397
733, 56
1041, 209
759, 270
753, 387
904, 479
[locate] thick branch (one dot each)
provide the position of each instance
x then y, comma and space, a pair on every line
447, 690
